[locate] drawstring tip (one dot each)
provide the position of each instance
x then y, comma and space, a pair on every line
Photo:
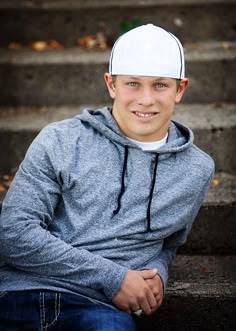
148, 220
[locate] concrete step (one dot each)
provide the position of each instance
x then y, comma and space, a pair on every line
214, 126
214, 231
201, 296
65, 21
75, 76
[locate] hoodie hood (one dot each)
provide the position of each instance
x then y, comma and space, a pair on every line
180, 137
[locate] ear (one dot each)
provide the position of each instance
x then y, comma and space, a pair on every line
182, 88
110, 85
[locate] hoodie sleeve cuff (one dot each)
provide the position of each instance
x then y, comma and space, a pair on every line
161, 270
108, 276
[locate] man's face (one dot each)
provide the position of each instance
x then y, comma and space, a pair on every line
143, 106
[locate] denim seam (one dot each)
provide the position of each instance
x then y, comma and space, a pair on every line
44, 324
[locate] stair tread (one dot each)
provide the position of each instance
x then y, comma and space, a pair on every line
203, 51
200, 296
75, 4
223, 191
206, 275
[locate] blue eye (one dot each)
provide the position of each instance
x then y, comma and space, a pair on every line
160, 85
132, 84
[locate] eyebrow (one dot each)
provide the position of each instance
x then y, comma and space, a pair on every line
154, 78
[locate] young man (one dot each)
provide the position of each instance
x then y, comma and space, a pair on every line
102, 201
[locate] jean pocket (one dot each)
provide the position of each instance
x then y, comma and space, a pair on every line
50, 308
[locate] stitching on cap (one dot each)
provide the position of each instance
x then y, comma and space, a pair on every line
181, 57
112, 53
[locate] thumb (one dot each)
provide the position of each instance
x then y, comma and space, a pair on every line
147, 274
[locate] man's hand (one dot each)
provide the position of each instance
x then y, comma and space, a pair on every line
138, 290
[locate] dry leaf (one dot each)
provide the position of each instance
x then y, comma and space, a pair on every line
2, 188
14, 46
191, 45
53, 44
38, 45
5, 182
207, 271
225, 45
97, 41
214, 182
41, 45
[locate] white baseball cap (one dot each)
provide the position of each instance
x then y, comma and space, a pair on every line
147, 50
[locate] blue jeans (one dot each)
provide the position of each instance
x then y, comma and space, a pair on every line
54, 311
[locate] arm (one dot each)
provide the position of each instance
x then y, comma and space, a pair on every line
25, 241
171, 244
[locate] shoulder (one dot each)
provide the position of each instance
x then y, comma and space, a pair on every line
201, 157
62, 126
56, 140
62, 132
199, 163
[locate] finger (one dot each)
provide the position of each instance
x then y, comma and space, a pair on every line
148, 274
155, 285
158, 304
147, 302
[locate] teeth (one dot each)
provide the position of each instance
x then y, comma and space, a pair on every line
144, 114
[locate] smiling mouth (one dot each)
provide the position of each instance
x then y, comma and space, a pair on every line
145, 115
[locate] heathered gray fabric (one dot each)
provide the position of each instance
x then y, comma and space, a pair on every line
57, 227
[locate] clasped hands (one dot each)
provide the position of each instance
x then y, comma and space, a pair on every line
140, 289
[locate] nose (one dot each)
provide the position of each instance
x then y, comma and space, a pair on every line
146, 98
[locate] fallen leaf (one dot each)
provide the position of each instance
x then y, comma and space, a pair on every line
225, 45
214, 182
42, 45
97, 41
14, 46
53, 44
191, 45
207, 271
2, 188
5, 181
38, 45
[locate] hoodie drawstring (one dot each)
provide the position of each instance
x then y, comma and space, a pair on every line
151, 194
116, 211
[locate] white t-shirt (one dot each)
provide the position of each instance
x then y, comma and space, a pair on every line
150, 146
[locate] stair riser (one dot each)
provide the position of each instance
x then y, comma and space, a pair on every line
43, 85
220, 144
210, 81
213, 231
82, 83
179, 313
12, 148
211, 21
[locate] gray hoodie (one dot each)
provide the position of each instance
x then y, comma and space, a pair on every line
87, 205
